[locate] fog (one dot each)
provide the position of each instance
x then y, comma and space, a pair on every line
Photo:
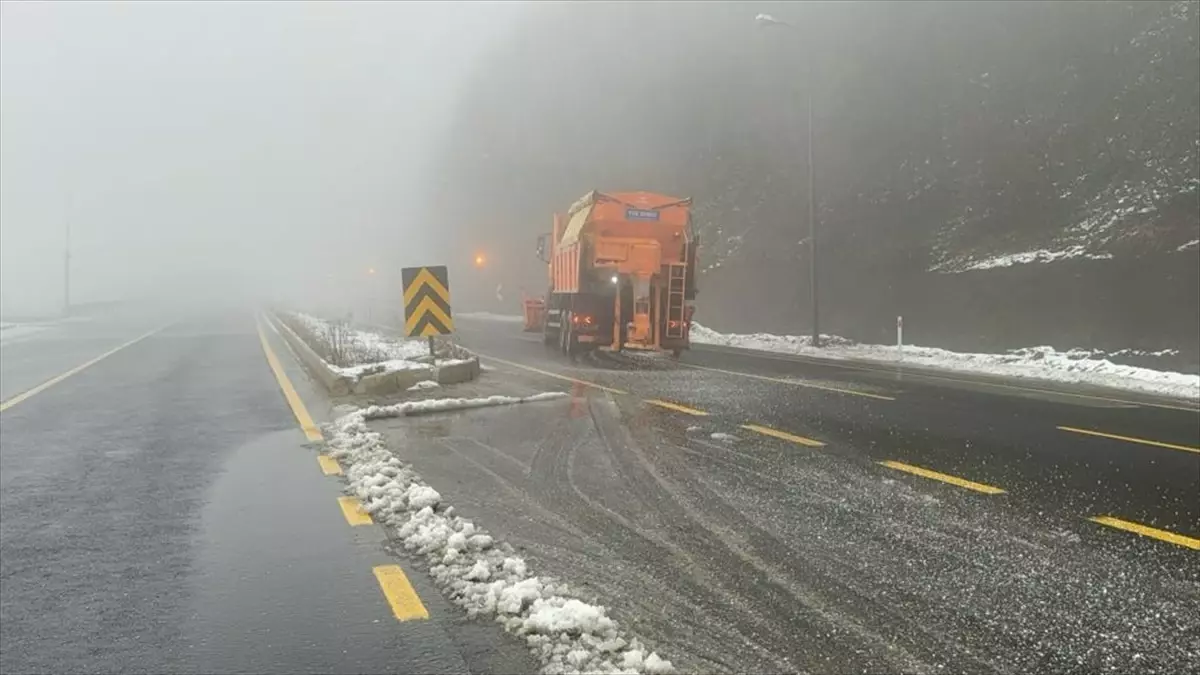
225, 149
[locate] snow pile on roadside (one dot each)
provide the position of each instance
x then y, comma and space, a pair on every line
424, 384
484, 577
12, 332
1076, 366
489, 316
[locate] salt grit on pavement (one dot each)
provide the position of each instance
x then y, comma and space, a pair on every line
481, 575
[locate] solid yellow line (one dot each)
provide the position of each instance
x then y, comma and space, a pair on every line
791, 382
1147, 531
53, 381
311, 432
405, 602
329, 465
353, 511
676, 407
944, 477
768, 431
558, 376
1131, 439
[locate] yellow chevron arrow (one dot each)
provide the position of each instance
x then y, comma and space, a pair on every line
428, 305
425, 278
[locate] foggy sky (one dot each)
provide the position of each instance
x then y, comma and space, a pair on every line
222, 147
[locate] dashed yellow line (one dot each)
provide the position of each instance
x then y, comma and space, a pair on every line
353, 511
311, 432
1147, 531
557, 376
944, 477
406, 604
1131, 439
795, 383
768, 431
55, 380
676, 407
329, 465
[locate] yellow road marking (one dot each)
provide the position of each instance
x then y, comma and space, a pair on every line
352, 509
405, 602
676, 407
1131, 439
944, 477
796, 383
768, 431
547, 373
1147, 531
915, 373
329, 465
311, 432
55, 380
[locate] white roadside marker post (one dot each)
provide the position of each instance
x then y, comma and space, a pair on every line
900, 337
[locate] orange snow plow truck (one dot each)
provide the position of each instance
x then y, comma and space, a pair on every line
622, 275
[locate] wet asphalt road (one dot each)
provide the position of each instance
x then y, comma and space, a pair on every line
997, 432
755, 553
160, 512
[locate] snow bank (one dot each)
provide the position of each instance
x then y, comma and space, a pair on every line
424, 384
14, 331
1076, 366
487, 579
488, 316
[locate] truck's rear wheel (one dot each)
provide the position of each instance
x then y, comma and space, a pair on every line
570, 346
549, 331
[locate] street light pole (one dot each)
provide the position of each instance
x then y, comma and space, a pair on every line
768, 20
67, 269
812, 206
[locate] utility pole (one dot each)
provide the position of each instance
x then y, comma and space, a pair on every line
67, 269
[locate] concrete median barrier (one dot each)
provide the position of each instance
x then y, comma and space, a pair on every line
334, 382
456, 365
461, 371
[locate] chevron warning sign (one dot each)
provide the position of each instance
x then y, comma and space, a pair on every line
426, 301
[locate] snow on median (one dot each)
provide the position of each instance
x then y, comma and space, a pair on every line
371, 353
1040, 363
472, 569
